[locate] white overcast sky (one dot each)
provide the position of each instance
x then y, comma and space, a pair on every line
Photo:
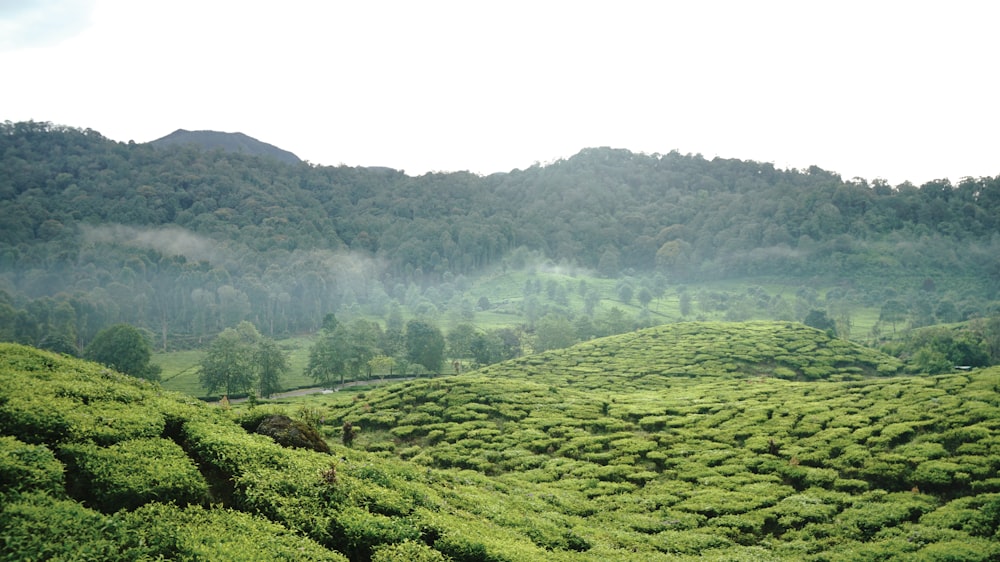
892, 90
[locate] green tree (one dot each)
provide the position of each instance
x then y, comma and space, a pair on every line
425, 345
893, 311
931, 361
460, 341
554, 331
327, 357
625, 292
343, 350
819, 320
381, 364
614, 321
645, 297
229, 363
271, 366
125, 349
684, 302
487, 348
362, 339
240, 359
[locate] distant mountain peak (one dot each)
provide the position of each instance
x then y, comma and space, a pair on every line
229, 142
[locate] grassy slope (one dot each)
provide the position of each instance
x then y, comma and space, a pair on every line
608, 451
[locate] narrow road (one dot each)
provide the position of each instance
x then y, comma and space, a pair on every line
320, 389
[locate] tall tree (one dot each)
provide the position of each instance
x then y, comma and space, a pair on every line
460, 341
228, 364
554, 331
240, 359
425, 345
327, 357
125, 349
271, 366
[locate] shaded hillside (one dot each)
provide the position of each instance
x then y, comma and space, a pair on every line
649, 358
230, 142
504, 469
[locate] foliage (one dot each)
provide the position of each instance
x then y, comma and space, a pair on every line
407, 550
622, 448
343, 349
186, 242
240, 358
939, 349
28, 467
131, 473
425, 345
271, 365
125, 349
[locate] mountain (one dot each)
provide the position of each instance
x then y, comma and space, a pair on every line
230, 142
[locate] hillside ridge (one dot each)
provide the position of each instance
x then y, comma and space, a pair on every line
231, 142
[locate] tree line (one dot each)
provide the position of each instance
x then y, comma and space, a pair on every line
185, 242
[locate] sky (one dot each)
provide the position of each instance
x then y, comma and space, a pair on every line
902, 91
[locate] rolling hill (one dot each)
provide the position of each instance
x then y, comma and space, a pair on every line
776, 443
230, 142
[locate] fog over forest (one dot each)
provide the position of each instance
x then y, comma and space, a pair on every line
185, 241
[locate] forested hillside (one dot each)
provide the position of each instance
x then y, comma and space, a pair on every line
186, 242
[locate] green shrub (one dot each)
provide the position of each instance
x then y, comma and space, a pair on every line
688, 542
976, 515
36, 526
25, 467
357, 531
131, 473
937, 475
36, 418
866, 518
794, 512
408, 550
158, 531
966, 550
228, 448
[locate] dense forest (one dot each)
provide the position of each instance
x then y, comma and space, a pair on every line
186, 242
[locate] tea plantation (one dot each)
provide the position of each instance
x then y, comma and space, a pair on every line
750, 441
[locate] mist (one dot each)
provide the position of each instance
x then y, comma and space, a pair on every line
169, 240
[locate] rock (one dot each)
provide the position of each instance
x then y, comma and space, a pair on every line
292, 433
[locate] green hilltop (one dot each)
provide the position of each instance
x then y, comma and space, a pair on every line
643, 358
718, 441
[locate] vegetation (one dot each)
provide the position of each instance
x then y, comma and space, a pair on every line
677, 358
124, 349
187, 242
240, 360
776, 442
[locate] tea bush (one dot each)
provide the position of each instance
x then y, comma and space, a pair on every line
157, 531
606, 452
37, 526
27, 468
128, 474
